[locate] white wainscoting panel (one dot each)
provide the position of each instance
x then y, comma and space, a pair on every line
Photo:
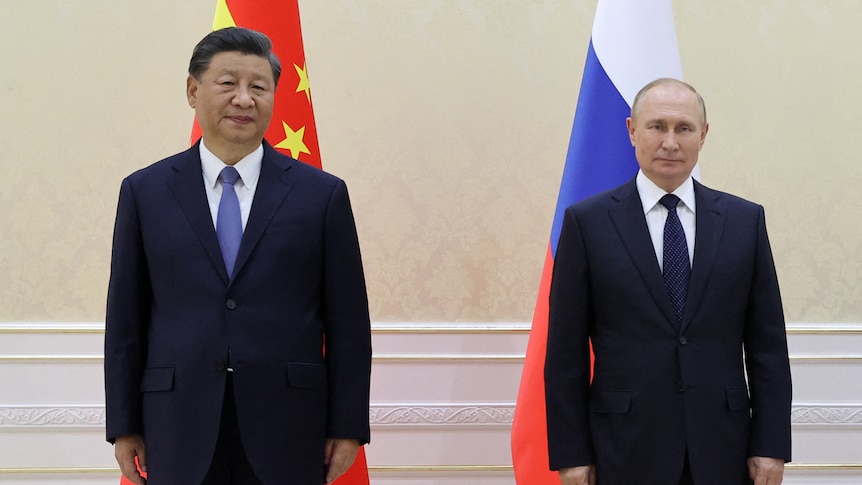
442, 404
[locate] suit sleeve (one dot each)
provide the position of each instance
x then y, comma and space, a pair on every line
766, 357
567, 362
126, 321
348, 328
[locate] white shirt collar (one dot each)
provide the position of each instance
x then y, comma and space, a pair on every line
650, 193
248, 167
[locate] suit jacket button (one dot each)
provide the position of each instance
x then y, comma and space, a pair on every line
680, 388
230, 304
683, 340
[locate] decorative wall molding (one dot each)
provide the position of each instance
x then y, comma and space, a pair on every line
445, 414
51, 359
400, 415
492, 414
818, 358
51, 416
812, 328
450, 328
415, 414
51, 327
802, 328
818, 414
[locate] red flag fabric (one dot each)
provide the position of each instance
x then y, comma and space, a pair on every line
529, 427
292, 130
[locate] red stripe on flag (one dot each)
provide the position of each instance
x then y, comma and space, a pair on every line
529, 427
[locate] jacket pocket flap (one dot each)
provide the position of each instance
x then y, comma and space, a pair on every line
737, 398
306, 375
157, 379
611, 402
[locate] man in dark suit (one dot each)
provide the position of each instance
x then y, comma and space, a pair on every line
233, 267
679, 298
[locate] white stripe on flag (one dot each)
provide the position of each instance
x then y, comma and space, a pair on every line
635, 41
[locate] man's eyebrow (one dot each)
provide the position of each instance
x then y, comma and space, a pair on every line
233, 72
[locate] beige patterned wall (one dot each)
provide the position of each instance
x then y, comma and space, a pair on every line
450, 122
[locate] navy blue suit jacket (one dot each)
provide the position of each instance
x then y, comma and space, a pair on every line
717, 385
174, 316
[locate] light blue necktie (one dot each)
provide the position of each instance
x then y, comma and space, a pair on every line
675, 264
229, 221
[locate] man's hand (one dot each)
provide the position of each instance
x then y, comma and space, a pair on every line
579, 475
766, 471
126, 448
339, 456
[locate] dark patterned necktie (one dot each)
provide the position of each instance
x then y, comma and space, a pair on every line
229, 220
675, 264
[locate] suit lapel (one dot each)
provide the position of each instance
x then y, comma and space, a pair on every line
188, 188
708, 230
628, 217
272, 187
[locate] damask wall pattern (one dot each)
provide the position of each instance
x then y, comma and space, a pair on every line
448, 119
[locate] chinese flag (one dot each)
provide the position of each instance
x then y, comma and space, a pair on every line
292, 130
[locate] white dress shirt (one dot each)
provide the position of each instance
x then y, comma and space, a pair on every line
656, 214
249, 173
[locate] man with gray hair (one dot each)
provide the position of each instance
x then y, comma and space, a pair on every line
673, 286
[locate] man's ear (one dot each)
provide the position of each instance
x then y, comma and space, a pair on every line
703, 134
192, 90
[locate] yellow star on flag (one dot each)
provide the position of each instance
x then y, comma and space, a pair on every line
303, 81
293, 141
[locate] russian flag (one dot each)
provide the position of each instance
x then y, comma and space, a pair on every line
633, 43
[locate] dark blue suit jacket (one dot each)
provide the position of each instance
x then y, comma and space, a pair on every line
174, 317
717, 385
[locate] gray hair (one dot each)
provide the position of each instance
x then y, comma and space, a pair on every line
661, 82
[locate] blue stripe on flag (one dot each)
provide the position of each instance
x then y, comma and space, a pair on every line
600, 155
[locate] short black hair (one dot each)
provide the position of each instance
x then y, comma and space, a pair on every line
233, 39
